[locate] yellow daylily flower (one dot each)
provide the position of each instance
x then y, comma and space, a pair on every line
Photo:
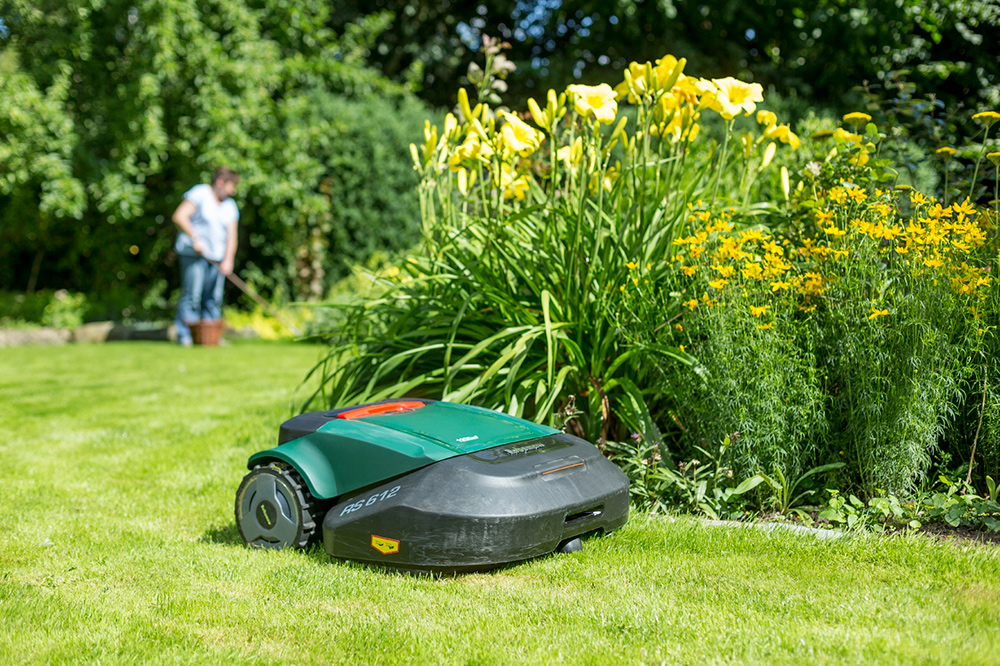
519, 136
693, 88
466, 151
784, 134
735, 96
598, 101
767, 119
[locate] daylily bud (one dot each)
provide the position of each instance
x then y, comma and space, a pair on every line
477, 128
784, 182
620, 127
450, 125
768, 154
676, 74
747, 141
536, 113
463, 104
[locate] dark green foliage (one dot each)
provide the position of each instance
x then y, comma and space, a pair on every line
373, 198
119, 107
752, 382
819, 49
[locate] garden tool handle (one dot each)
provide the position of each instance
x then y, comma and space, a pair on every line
235, 279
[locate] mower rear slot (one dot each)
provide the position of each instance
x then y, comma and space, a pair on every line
579, 516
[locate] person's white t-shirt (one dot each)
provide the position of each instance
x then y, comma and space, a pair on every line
209, 222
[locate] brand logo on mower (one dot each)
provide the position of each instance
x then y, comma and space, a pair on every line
470, 438
518, 450
385, 545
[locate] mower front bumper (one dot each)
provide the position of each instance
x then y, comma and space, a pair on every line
482, 510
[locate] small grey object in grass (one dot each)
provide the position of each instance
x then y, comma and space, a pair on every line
801, 529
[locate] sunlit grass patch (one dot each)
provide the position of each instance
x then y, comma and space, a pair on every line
119, 546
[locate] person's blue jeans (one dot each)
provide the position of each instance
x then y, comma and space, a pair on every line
201, 295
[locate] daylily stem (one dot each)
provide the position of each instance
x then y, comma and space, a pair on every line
975, 174
722, 158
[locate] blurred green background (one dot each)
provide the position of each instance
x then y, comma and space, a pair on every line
111, 109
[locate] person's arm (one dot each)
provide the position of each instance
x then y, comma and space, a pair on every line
226, 267
182, 218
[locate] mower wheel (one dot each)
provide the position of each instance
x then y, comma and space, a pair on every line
274, 508
573, 545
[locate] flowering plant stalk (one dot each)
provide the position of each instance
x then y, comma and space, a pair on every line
848, 337
535, 225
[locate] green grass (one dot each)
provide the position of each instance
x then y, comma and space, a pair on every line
120, 463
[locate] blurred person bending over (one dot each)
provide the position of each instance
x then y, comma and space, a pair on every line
206, 243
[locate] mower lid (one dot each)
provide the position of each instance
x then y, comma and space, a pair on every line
460, 428
343, 450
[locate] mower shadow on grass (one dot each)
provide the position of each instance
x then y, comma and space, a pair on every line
227, 535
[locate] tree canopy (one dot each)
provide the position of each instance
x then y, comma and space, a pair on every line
819, 49
111, 109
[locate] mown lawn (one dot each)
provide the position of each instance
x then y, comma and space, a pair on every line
120, 463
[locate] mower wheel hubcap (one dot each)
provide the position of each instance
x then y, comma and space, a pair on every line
269, 512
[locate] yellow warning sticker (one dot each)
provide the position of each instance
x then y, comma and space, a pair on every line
384, 545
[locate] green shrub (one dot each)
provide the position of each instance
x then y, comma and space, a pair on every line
869, 306
531, 237
59, 309
360, 198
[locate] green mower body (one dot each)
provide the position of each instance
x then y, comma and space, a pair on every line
426, 486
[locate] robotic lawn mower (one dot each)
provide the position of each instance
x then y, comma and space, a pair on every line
426, 486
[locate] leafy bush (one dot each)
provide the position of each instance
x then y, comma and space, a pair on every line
846, 331
531, 235
360, 195
59, 309
955, 504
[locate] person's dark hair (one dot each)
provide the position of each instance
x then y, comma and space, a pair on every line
226, 174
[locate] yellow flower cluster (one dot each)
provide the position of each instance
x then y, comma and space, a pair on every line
502, 150
746, 261
932, 237
757, 269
